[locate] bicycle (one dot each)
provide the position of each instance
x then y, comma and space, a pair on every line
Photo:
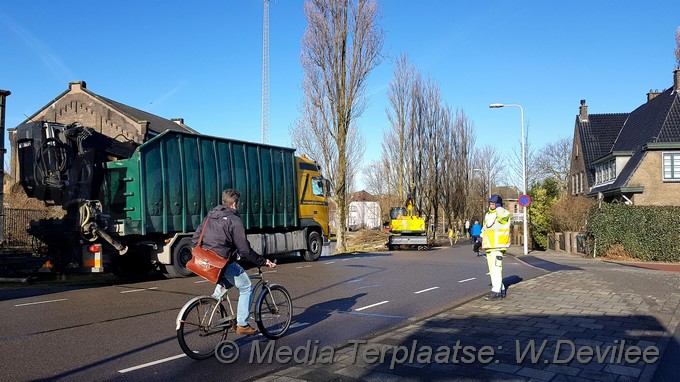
203, 322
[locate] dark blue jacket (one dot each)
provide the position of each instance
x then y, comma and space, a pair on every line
224, 234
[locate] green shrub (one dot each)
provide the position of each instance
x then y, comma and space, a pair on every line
644, 232
539, 218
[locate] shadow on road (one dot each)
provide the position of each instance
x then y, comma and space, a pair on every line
497, 346
547, 265
323, 310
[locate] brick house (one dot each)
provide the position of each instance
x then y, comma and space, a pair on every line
631, 158
79, 104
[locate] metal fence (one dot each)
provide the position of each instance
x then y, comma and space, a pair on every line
16, 222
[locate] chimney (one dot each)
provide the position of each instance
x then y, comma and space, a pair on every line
179, 121
77, 85
3, 95
583, 111
676, 80
652, 94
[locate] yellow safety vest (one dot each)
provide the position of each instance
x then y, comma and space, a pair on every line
496, 229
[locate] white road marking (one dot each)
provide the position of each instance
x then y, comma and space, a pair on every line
370, 306
344, 259
41, 302
138, 290
151, 363
200, 281
470, 279
426, 290
329, 262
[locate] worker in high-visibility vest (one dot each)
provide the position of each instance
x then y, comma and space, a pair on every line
496, 240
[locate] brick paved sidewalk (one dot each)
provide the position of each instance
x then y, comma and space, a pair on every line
550, 328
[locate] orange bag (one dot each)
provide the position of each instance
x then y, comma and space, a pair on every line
206, 263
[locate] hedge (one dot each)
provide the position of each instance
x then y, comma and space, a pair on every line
643, 232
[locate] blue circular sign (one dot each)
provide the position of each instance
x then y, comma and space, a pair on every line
524, 200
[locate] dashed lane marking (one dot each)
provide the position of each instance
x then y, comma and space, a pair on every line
151, 363
470, 279
41, 302
375, 315
371, 306
138, 290
426, 290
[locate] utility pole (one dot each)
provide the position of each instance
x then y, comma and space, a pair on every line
265, 74
3, 95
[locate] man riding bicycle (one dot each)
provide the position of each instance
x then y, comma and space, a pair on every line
226, 236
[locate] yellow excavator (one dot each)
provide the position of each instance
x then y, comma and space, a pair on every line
406, 228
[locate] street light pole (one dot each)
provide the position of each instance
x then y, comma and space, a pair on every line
524, 167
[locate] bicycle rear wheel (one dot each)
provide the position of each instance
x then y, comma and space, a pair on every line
199, 331
274, 311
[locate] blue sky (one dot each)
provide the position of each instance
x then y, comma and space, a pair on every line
202, 60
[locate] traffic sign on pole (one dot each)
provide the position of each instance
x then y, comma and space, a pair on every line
524, 200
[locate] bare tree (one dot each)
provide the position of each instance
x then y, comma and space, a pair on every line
307, 136
552, 161
513, 164
399, 96
488, 161
340, 47
428, 148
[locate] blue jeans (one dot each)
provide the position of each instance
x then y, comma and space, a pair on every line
236, 276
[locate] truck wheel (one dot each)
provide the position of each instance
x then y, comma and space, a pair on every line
314, 247
181, 254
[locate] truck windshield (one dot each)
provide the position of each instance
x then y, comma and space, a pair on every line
317, 186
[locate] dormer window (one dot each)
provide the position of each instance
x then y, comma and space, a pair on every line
671, 166
605, 172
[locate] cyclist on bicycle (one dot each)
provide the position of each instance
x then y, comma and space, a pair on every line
225, 234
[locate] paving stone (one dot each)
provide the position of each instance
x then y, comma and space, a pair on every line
599, 304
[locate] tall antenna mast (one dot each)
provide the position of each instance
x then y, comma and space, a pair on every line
265, 74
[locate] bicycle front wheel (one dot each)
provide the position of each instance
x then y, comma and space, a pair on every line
274, 311
199, 329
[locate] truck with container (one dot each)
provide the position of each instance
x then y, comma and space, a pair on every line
131, 207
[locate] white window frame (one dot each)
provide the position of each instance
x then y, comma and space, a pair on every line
605, 172
670, 167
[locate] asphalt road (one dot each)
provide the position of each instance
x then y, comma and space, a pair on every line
127, 331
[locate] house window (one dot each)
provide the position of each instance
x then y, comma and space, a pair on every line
605, 172
671, 166
580, 182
